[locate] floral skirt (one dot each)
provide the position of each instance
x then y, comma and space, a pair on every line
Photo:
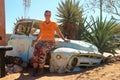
42, 49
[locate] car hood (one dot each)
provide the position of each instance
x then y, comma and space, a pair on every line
81, 46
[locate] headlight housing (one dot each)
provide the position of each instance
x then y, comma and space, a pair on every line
58, 56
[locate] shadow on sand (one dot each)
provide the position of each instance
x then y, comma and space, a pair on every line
26, 74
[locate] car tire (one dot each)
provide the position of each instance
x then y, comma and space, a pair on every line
72, 63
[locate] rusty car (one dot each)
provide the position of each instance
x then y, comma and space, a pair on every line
65, 56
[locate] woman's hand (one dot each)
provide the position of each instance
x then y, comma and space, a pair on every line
67, 40
33, 42
61, 35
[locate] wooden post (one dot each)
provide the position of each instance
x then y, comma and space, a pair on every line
2, 63
2, 23
3, 48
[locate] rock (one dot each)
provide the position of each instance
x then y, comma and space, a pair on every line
9, 68
17, 68
112, 59
24, 65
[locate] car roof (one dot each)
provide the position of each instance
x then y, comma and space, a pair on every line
24, 20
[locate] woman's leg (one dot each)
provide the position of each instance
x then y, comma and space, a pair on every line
35, 58
46, 48
35, 65
35, 69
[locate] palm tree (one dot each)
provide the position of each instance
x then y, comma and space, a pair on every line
69, 14
101, 33
81, 29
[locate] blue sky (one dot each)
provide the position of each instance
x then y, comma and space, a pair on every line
14, 9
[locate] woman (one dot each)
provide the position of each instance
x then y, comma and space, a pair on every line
45, 42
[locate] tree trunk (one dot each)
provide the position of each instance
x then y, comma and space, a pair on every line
100, 9
2, 23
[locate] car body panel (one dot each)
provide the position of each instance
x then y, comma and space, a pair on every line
61, 59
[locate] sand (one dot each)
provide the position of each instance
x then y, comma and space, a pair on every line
109, 70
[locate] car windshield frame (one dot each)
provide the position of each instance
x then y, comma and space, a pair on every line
35, 28
23, 28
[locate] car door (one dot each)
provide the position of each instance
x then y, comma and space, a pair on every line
20, 40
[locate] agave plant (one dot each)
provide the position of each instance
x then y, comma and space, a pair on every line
100, 33
69, 14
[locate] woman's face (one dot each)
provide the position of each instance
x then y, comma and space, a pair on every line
47, 15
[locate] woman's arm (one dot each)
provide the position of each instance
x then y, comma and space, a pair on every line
61, 35
38, 36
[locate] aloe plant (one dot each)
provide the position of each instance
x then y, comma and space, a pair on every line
100, 33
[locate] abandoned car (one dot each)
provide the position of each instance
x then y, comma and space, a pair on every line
65, 56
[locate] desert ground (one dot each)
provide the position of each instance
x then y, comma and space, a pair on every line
108, 70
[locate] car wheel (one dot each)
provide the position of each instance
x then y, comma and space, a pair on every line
72, 62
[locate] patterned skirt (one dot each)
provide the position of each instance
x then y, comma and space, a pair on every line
42, 49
